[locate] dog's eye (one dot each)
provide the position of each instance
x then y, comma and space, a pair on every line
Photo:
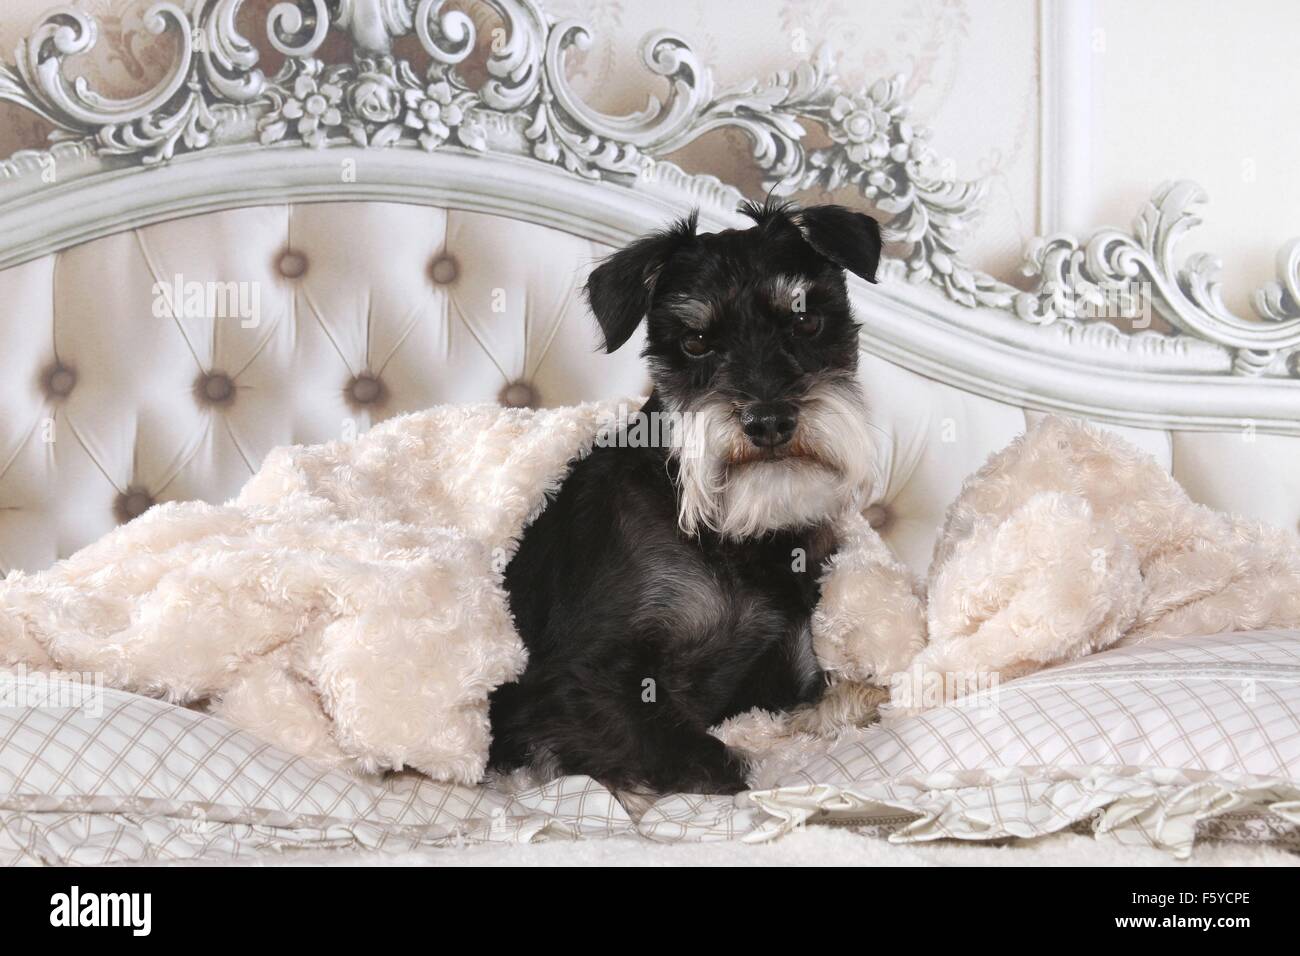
806, 326
694, 345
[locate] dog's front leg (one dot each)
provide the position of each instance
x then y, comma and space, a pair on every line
631, 725
687, 759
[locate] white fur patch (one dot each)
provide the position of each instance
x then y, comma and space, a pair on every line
694, 313
787, 292
727, 486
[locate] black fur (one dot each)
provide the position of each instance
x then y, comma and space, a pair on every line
641, 637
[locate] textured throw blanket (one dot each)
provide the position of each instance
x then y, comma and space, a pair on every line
347, 605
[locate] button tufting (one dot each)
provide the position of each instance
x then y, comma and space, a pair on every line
215, 388
877, 516
366, 389
444, 269
292, 265
60, 380
132, 504
518, 395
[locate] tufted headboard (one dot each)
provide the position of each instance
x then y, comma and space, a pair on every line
235, 261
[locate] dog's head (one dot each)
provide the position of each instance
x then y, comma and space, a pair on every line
752, 346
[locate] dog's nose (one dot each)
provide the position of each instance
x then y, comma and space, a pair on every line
769, 424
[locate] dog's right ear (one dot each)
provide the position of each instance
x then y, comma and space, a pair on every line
621, 288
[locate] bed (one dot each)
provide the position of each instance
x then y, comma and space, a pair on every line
235, 261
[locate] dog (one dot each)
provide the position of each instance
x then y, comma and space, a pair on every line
670, 584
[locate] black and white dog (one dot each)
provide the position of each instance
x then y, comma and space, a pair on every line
665, 589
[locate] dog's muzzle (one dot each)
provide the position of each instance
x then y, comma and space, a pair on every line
769, 424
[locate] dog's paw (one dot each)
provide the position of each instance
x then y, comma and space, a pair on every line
706, 766
845, 704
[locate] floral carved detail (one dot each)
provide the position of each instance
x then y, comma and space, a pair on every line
372, 103
878, 150
312, 108
215, 95
439, 111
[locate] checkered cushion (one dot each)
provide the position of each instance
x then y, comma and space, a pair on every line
93, 775
1151, 745
1147, 743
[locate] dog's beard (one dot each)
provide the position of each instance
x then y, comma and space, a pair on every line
730, 486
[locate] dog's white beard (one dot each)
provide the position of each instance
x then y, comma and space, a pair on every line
755, 496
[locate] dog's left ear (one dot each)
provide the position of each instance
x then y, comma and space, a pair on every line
620, 289
849, 239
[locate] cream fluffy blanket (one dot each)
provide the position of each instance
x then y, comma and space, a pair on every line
348, 606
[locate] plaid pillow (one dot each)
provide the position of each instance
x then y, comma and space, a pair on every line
1150, 745
1143, 743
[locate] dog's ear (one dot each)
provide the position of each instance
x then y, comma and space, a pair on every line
849, 239
620, 289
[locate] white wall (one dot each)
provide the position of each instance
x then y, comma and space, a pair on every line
1204, 90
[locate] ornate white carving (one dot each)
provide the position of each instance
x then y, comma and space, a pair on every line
1115, 267
215, 95
1280, 301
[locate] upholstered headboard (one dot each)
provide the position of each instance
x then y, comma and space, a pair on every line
236, 261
